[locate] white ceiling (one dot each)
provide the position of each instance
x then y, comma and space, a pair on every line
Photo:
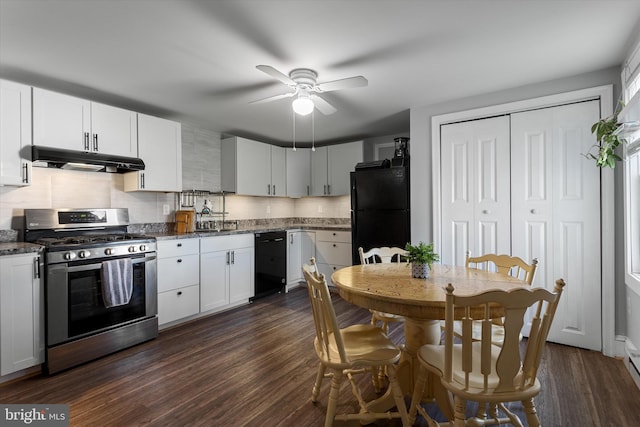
194, 60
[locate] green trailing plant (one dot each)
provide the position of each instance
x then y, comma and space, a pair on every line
421, 254
608, 141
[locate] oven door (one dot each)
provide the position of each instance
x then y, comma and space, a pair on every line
75, 307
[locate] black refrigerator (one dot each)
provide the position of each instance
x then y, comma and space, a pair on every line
380, 208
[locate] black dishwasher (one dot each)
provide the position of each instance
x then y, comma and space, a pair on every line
270, 263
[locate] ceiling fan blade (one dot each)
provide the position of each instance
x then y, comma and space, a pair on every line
273, 98
347, 83
276, 74
323, 106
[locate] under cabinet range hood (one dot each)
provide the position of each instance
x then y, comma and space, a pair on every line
82, 160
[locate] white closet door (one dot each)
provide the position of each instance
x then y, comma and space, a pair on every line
475, 189
555, 194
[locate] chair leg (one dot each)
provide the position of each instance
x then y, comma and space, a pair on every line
418, 391
336, 382
460, 408
398, 396
377, 377
316, 386
530, 412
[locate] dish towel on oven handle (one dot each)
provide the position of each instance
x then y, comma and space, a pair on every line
117, 282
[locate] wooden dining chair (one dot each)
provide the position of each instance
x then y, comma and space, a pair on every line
355, 349
482, 372
382, 255
504, 264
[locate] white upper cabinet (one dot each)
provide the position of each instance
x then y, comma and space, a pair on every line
159, 146
72, 123
342, 161
15, 133
330, 168
298, 172
319, 171
278, 171
253, 168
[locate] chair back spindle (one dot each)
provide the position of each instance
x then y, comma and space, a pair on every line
324, 314
477, 362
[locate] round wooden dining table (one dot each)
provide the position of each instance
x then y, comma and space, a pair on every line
389, 287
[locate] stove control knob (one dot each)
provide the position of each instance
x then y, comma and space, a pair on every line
132, 248
143, 248
108, 251
69, 256
84, 254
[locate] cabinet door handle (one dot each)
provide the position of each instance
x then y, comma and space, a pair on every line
228, 257
179, 245
86, 141
179, 260
269, 189
329, 189
233, 257
25, 173
95, 142
36, 268
324, 189
334, 245
179, 293
274, 189
141, 179
308, 190
291, 238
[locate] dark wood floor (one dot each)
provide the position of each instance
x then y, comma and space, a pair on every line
255, 366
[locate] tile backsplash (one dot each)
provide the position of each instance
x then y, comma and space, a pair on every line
56, 188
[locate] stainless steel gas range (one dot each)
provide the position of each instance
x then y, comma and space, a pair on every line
100, 283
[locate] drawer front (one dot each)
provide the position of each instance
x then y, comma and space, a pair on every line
178, 272
178, 247
333, 253
328, 270
225, 243
178, 303
333, 236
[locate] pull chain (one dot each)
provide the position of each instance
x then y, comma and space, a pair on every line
313, 130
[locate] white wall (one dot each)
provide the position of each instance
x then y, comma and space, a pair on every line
421, 180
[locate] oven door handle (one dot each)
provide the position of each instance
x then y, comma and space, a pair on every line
98, 265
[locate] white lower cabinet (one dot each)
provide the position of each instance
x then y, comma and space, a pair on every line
226, 271
178, 303
333, 251
301, 246
178, 279
21, 313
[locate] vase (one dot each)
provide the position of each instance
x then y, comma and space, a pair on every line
419, 271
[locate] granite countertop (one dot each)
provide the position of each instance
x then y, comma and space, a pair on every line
169, 235
15, 248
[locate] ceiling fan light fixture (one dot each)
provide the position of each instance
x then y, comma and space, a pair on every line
302, 105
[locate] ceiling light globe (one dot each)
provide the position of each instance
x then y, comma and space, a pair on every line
302, 106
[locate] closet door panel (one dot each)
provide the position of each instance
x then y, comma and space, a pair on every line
459, 242
559, 205
475, 188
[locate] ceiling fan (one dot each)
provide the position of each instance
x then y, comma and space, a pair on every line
302, 82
